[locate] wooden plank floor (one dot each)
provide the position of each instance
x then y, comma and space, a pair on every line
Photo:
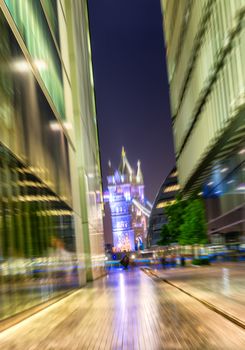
125, 310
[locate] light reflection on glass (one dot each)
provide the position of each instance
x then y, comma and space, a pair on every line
37, 239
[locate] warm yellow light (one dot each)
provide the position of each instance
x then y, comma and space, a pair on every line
165, 204
21, 66
55, 126
172, 188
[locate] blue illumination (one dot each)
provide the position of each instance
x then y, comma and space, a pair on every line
128, 227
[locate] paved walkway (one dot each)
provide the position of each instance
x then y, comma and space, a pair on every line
125, 310
222, 285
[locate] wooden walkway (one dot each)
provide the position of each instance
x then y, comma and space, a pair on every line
125, 310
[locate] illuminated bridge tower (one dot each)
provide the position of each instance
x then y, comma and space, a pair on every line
127, 201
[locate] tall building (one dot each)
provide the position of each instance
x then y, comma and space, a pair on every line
205, 49
165, 196
51, 234
127, 205
77, 52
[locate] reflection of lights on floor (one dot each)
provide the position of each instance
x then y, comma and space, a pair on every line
122, 288
226, 281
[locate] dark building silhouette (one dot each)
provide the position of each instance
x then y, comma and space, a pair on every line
166, 195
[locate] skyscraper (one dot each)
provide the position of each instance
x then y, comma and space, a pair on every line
205, 49
128, 205
51, 234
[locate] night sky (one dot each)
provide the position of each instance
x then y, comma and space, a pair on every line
131, 87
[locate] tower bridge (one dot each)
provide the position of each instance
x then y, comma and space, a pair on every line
129, 208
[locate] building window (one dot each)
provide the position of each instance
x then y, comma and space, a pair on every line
164, 204
171, 188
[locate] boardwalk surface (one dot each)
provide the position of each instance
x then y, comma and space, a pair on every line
222, 285
125, 310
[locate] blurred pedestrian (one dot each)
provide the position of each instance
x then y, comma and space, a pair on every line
125, 261
163, 261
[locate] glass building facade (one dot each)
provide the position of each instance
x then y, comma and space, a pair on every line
87, 156
50, 183
205, 48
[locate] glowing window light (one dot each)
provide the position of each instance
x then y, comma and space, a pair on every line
21, 66
127, 196
36, 198
40, 64
172, 188
165, 204
31, 184
174, 174
55, 213
67, 125
55, 126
